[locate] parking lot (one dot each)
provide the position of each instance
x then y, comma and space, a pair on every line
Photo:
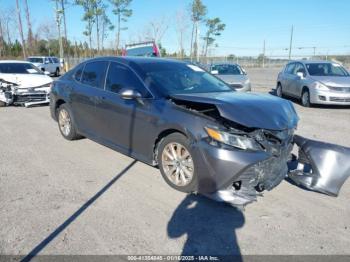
80, 198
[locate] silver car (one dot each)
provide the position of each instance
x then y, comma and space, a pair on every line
315, 82
233, 74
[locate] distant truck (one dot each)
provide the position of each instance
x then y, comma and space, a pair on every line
145, 49
49, 64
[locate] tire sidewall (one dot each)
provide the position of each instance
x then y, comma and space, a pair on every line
279, 92
72, 133
181, 139
307, 104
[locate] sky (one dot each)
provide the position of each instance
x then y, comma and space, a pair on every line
322, 24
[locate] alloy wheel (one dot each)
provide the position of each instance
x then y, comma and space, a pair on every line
177, 164
64, 121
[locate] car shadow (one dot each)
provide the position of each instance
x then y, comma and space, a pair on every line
38, 248
296, 101
209, 226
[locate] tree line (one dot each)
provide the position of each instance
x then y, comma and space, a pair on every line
50, 37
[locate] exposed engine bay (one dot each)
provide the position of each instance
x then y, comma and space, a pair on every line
319, 166
14, 94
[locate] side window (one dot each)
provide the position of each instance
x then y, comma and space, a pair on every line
55, 60
120, 76
298, 68
78, 72
290, 68
94, 73
50, 59
47, 60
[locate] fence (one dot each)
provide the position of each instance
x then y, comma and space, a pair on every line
245, 62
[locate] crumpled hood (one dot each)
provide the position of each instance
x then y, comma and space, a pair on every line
25, 81
337, 81
249, 109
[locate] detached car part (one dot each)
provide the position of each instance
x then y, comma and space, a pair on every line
320, 167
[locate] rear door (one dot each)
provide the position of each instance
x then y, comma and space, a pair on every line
87, 90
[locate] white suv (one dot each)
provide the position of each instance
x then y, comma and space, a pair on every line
46, 63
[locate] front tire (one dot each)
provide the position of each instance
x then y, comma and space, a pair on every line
305, 98
57, 72
66, 124
176, 163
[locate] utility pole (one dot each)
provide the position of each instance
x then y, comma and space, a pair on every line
263, 62
314, 50
58, 23
291, 43
21, 29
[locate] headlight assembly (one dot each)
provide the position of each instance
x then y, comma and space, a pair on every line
238, 141
320, 86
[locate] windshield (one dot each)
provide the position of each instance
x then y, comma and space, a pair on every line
326, 69
35, 60
141, 51
227, 69
180, 78
19, 68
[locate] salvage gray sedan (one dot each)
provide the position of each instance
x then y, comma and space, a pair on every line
233, 75
315, 82
203, 136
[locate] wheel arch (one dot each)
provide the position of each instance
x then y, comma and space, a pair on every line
164, 133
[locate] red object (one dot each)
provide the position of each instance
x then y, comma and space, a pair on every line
123, 52
155, 49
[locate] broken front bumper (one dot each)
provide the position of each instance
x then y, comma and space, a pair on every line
320, 166
238, 177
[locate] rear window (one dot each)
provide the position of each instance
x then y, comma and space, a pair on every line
227, 69
94, 73
35, 59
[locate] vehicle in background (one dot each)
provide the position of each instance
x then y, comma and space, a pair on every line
22, 83
145, 49
315, 82
50, 64
233, 74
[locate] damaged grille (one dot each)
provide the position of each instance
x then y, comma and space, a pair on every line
23, 98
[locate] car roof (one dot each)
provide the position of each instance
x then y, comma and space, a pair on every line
136, 59
14, 61
311, 61
235, 64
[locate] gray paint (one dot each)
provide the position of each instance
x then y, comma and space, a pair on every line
322, 167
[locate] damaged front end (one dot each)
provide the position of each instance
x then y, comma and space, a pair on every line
244, 159
13, 94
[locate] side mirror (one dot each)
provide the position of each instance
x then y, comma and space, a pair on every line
127, 93
214, 72
46, 73
244, 72
300, 75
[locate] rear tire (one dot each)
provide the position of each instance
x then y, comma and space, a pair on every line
57, 72
66, 124
305, 98
176, 163
279, 91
